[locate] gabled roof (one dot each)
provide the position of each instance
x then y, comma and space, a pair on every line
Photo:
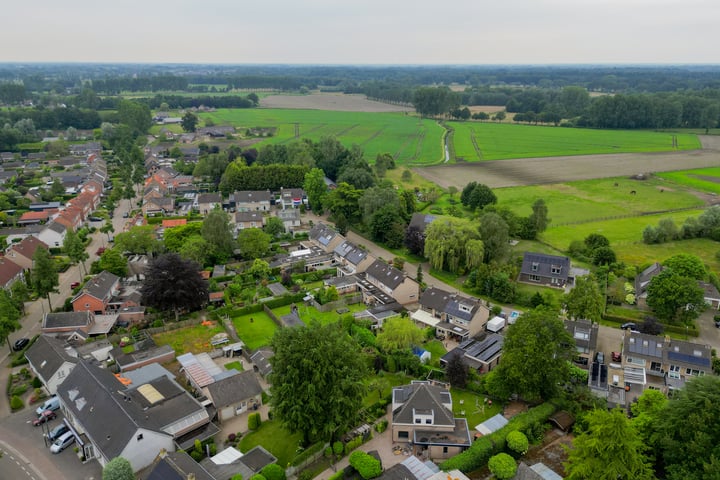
56, 227
48, 354
421, 221
422, 396
241, 217
584, 332
31, 216
544, 263
100, 286
174, 222
643, 344
435, 299
261, 359
8, 270
67, 320
234, 389
28, 246
350, 252
252, 196
209, 198
322, 233
177, 466
386, 274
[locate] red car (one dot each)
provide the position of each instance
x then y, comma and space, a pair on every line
74, 285
100, 251
44, 417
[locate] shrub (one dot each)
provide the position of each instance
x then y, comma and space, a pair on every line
338, 448
273, 472
196, 455
254, 421
367, 466
517, 442
337, 475
16, 403
503, 466
232, 437
257, 476
36, 382
19, 390
328, 452
237, 476
381, 426
306, 475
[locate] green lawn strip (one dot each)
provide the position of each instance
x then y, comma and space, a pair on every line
383, 382
474, 406
274, 438
693, 179
256, 333
499, 141
195, 339
530, 290
437, 350
237, 365
586, 200
309, 313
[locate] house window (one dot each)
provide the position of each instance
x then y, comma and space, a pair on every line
535, 278
656, 367
555, 269
636, 361
693, 372
428, 421
674, 371
139, 437
535, 266
417, 420
582, 335
445, 449
404, 435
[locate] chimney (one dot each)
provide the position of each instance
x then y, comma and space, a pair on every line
191, 476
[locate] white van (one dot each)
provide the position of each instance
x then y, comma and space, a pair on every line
52, 403
65, 440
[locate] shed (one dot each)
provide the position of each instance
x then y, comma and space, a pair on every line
492, 424
495, 324
563, 420
422, 354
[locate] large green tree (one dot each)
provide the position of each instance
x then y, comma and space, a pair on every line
539, 216
189, 122
75, 249
253, 243
139, 239
118, 468
9, 316
536, 357
687, 431
216, 230
687, 265
675, 298
135, 115
316, 189
173, 284
114, 262
175, 237
495, 237
317, 380
584, 301
399, 333
446, 241
44, 275
609, 449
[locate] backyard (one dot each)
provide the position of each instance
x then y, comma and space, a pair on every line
195, 339
275, 438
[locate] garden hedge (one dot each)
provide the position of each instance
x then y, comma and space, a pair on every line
367, 466
485, 447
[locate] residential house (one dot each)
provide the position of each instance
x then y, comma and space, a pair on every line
146, 354
53, 234
112, 419
351, 259
290, 218
158, 206
71, 218
480, 355
543, 269
292, 198
51, 360
251, 200
325, 237
235, 395
422, 417
231, 462
207, 202
420, 221
452, 315
34, 218
246, 219
22, 252
393, 282
585, 334
40, 206
711, 295
10, 272
96, 294
642, 280
216, 131
177, 466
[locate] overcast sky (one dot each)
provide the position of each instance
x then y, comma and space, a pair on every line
361, 32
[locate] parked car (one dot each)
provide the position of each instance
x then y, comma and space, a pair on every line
600, 357
74, 285
100, 251
52, 403
717, 323
20, 344
95, 219
62, 442
125, 215
44, 417
629, 326
616, 357
56, 432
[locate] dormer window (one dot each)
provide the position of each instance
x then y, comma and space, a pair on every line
555, 269
535, 266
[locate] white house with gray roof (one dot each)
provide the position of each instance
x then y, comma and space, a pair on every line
51, 360
53, 234
393, 282
325, 237
422, 417
235, 395
251, 200
452, 315
351, 259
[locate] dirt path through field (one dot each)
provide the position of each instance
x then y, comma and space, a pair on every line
534, 171
331, 101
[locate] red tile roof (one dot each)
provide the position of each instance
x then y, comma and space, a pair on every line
8, 270
174, 222
28, 246
43, 215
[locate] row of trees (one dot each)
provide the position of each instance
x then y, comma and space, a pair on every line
706, 225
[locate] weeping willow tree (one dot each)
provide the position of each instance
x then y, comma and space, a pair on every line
453, 244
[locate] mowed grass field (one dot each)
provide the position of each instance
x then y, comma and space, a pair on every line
589, 200
411, 140
475, 141
705, 179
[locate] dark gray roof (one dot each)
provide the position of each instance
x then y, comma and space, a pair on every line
258, 458
100, 285
56, 227
209, 198
177, 466
544, 263
234, 389
322, 233
689, 353
248, 217
461, 307
67, 319
435, 299
350, 252
261, 360
423, 397
421, 221
251, 463
710, 291
277, 289
645, 345
48, 354
251, 196
483, 351
584, 332
643, 278
386, 274
341, 282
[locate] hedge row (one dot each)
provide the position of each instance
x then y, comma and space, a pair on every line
307, 453
485, 447
678, 329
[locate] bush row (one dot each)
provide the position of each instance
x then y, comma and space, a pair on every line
485, 447
678, 329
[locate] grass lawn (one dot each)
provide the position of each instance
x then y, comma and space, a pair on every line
476, 141
234, 366
274, 438
411, 140
309, 313
587, 200
703, 179
474, 406
437, 350
383, 382
255, 333
194, 339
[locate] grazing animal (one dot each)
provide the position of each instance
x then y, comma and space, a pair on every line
662, 190
617, 184
632, 192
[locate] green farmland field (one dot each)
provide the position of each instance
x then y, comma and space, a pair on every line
589, 200
703, 179
499, 141
411, 140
